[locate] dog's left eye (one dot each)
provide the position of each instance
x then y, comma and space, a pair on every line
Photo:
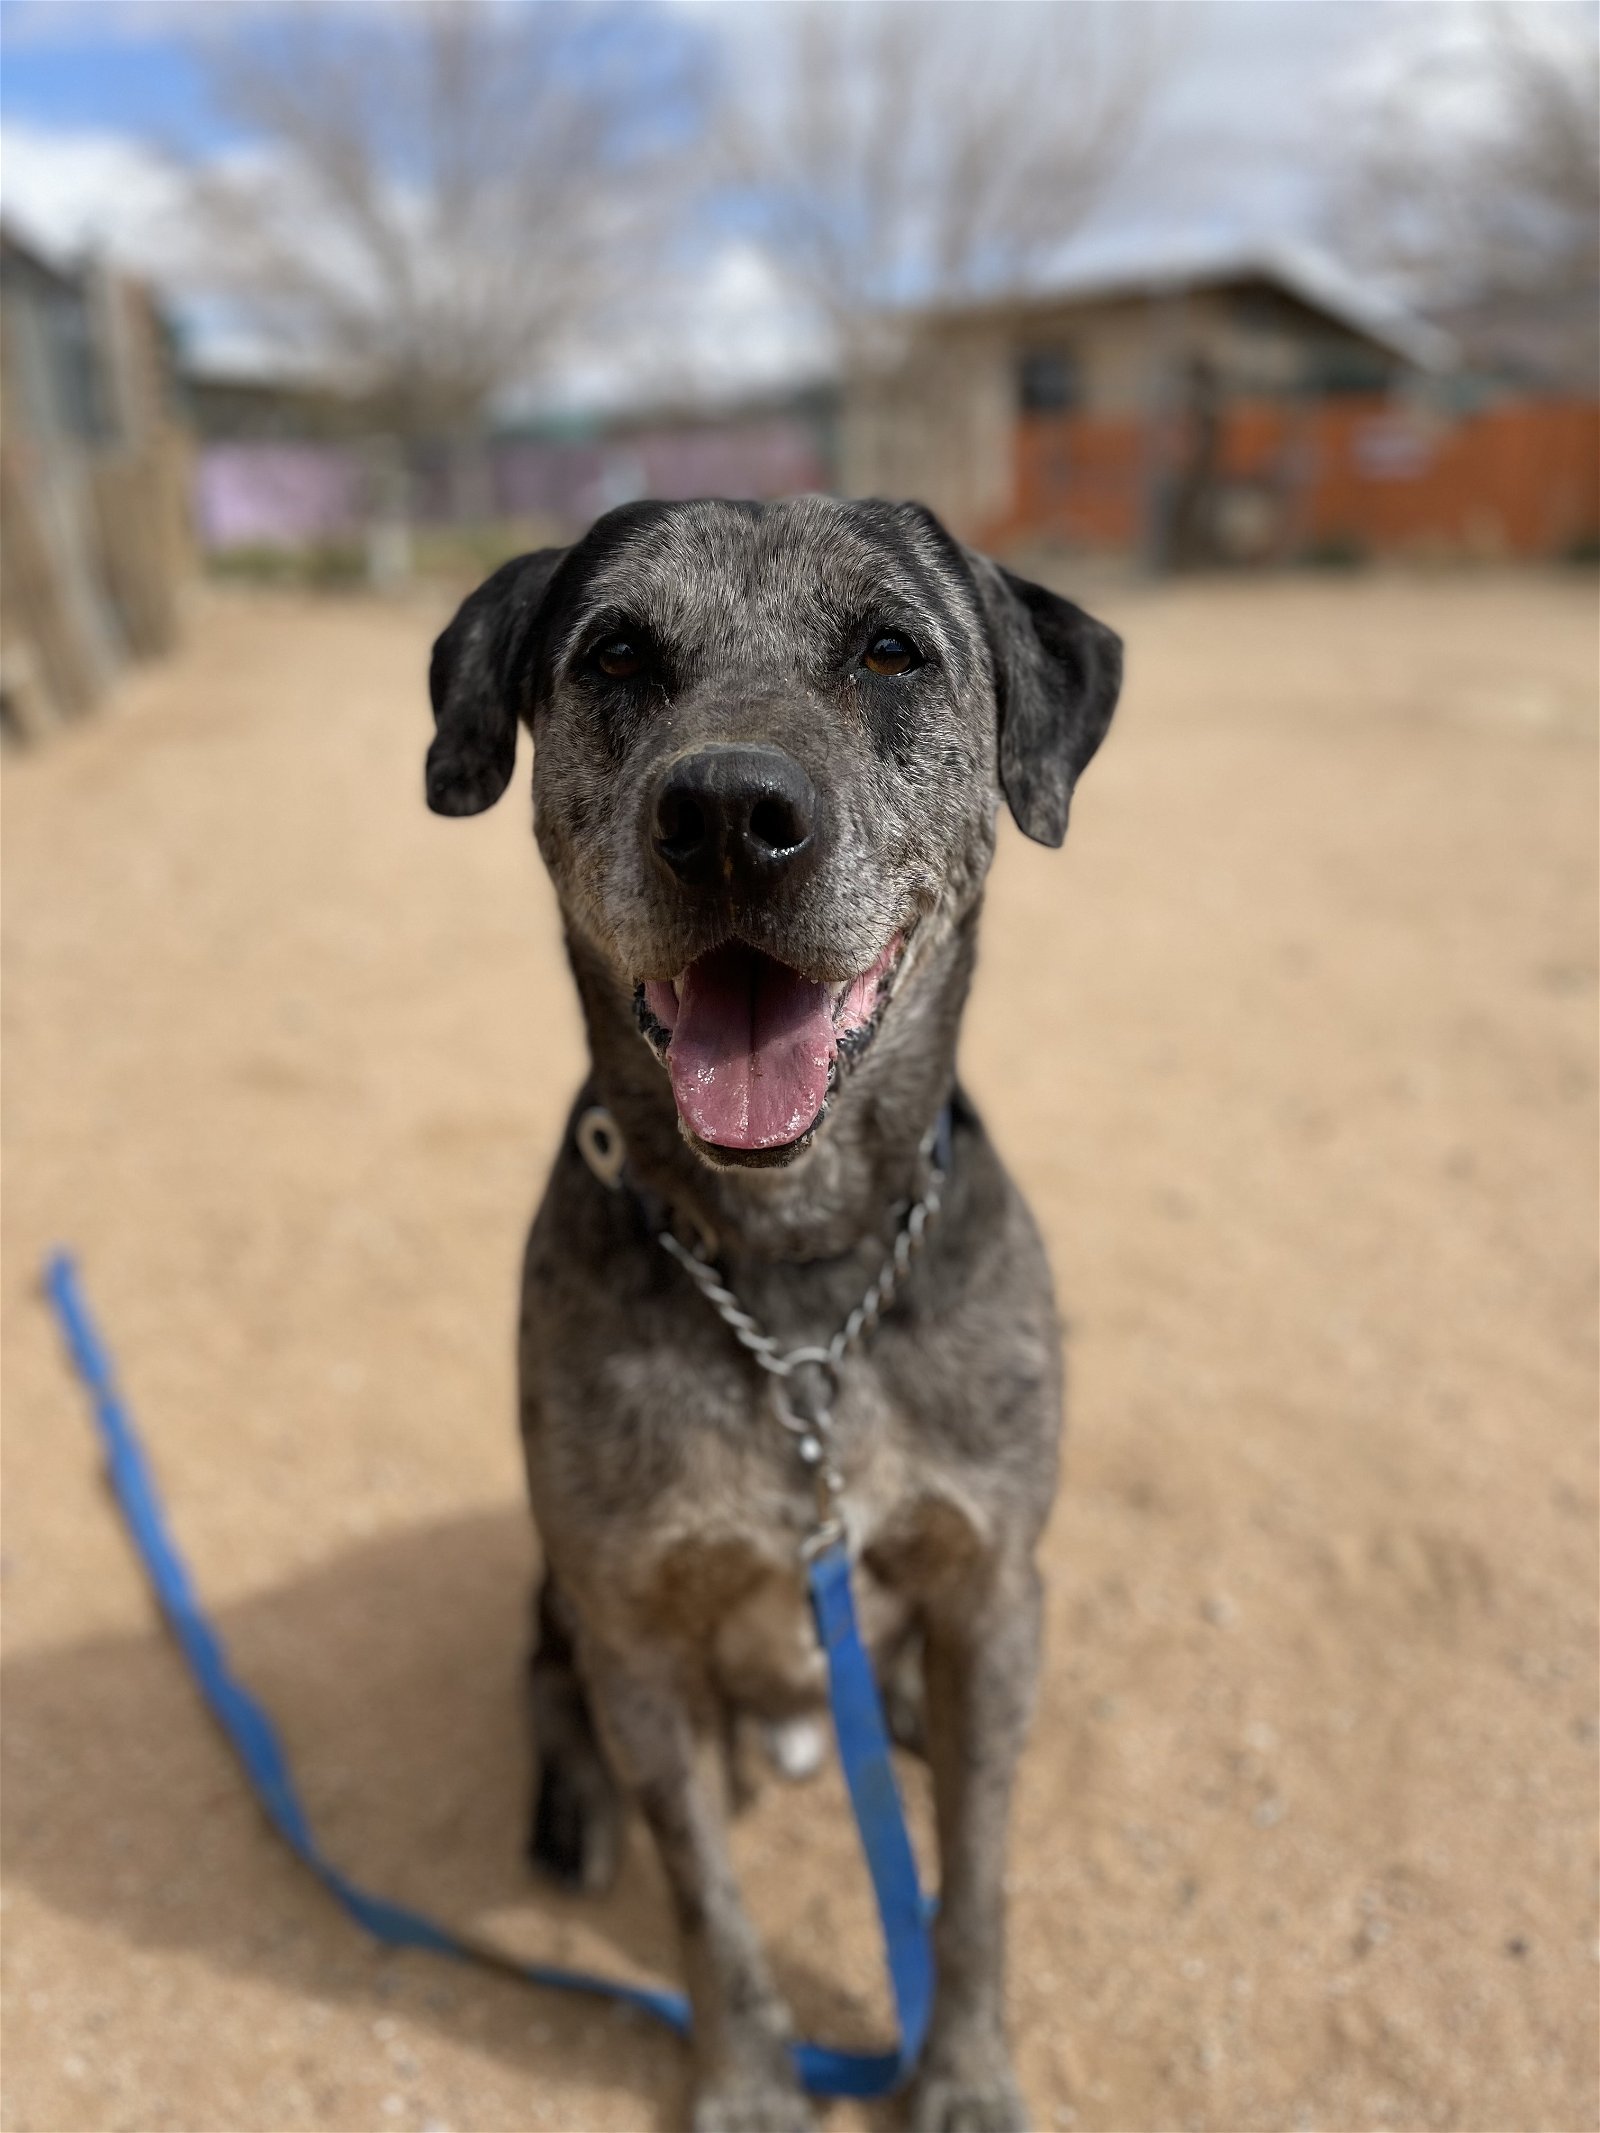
891, 654
619, 658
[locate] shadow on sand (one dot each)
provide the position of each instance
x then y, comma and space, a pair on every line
395, 1674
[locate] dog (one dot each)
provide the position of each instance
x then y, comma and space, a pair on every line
770, 745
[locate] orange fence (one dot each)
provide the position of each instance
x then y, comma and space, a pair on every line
1521, 478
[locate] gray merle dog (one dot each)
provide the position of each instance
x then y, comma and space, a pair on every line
769, 747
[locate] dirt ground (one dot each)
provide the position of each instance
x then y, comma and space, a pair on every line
1293, 1048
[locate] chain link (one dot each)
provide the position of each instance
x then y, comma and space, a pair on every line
781, 1362
813, 1428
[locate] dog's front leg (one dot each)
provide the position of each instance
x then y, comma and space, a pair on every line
669, 1755
981, 1661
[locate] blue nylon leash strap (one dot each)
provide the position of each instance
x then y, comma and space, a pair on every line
852, 1689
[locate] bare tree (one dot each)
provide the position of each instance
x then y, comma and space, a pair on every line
436, 195
1475, 177
895, 152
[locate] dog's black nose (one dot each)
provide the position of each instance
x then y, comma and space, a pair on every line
743, 816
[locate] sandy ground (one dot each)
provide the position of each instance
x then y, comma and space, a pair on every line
1293, 1048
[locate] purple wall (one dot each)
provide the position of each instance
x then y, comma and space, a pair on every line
277, 495
286, 495
779, 456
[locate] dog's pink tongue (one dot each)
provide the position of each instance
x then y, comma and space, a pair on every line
750, 1051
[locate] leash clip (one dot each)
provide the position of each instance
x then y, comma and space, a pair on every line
811, 1427
829, 1534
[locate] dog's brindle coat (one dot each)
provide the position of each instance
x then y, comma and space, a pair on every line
669, 1503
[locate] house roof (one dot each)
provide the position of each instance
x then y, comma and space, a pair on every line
1108, 272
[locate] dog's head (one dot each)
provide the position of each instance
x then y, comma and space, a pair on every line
769, 742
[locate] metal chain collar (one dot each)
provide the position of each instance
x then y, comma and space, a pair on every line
811, 1426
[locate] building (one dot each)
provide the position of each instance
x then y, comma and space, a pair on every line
1241, 406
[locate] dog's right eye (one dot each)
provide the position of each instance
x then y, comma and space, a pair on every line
619, 659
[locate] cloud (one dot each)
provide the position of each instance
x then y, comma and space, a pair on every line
74, 192
1241, 145
1444, 65
730, 326
727, 325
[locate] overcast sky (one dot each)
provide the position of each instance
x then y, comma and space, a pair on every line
1242, 136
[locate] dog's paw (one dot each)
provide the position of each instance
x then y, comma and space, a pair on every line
752, 2106
942, 2103
576, 1836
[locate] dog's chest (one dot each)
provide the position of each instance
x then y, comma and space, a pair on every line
674, 1504
718, 1564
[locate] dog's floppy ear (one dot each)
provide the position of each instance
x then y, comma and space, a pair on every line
1057, 673
476, 680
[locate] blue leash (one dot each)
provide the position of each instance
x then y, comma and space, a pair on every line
852, 1690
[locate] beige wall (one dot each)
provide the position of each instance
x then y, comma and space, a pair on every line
939, 427
1256, 342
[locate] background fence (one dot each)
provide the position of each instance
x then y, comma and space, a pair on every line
1278, 480
94, 487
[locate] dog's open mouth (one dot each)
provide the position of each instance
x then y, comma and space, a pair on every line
751, 1045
